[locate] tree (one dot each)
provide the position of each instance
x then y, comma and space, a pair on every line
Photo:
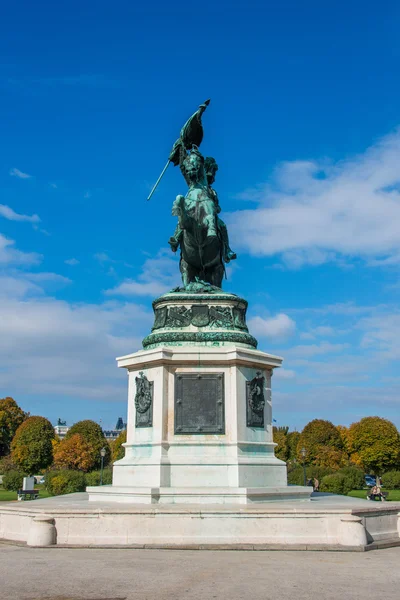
374, 444
323, 444
93, 435
11, 417
74, 453
292, 441
31, 448
344, 433
280, 438
118, 451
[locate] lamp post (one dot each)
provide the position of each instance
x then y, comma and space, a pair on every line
303, 454
102, 454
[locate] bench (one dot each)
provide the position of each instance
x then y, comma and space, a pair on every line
381, 496
27, 495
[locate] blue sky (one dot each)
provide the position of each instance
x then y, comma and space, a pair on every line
303, 122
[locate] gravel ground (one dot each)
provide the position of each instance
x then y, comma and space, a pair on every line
105, 574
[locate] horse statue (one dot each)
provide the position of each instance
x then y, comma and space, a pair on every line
201, 236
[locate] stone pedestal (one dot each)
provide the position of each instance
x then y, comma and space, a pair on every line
200, 441
199, 409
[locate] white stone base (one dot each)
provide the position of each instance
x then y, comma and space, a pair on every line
196, 495
163, 461
326, 522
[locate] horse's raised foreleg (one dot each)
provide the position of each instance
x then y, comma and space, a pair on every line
178, 210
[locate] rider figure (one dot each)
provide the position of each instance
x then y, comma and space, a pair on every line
209, 198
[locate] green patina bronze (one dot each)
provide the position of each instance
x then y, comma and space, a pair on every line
209, 338
201, 235
198, 312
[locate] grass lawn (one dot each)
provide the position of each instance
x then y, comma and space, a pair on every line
6, 496
394, 495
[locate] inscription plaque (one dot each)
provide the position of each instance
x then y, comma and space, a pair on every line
199, 403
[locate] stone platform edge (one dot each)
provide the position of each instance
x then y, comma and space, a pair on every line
325, 524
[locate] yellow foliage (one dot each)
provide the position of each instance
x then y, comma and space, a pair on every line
73, 453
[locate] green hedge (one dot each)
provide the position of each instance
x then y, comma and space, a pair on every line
59, 483
296, 474
93, 478
354, 476
337, 483
12, 480
391, 480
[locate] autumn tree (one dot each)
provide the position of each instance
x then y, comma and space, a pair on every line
374, 444
74, 453
11, 417
118, 451
280, 438
323, 444
93, 435
292, 441
32, 448
344, 433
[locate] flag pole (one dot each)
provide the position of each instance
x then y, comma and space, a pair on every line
158, 180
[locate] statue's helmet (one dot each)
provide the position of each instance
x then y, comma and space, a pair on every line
193, 164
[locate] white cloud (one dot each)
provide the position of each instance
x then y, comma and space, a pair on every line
11, 215
284, 374
308, 350
62, 348
72, 262
65, 348
11, 256
381, 332
159, 275
47, 277
133, 288
19, 174
102, 257
278, 327
313, 212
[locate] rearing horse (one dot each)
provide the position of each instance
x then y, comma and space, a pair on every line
201, 244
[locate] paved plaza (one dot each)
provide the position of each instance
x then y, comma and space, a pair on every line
105, 574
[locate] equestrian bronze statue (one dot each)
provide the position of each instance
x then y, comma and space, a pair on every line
201, 235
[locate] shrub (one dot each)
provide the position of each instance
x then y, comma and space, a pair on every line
337, 483
31, 448
12, 480
355, 476
93, 478
296, 474
391, 480
59, 483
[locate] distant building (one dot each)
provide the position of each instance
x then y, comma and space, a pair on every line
112, 434
61, 429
